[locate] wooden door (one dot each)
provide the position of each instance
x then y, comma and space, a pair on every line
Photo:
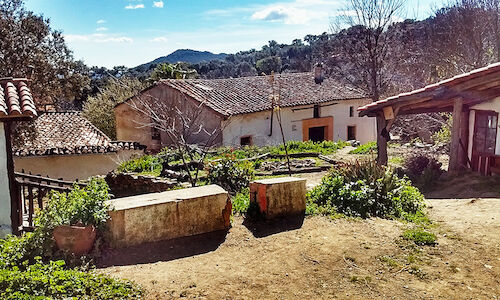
485, 135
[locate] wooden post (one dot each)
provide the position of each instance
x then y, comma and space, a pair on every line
15, 212
455, 136
463, 153
382, 139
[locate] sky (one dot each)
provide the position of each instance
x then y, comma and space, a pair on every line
131, 32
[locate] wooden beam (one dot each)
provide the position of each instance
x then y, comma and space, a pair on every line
463, 153
382, 138
15, 213
455, 136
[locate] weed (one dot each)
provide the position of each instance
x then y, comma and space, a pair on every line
420, 236
391, 262
370, 147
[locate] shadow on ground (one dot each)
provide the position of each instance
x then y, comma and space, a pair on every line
163, 251
464, 186
263, 228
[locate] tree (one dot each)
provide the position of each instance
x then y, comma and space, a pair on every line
269, 64
99, 109
173, 71
27, 42
362, 48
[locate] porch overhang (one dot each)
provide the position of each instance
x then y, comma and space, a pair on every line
455, 95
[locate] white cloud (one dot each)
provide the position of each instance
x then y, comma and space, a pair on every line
288, 15
97, 38
101, 21
159, 39
131, 6
158, 4
101, 29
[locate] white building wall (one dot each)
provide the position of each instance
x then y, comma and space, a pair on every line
490, 105
5, 222
257, 124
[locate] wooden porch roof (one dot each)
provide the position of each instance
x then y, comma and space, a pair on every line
474, 87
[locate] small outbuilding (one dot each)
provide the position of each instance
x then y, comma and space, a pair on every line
66, 145
474, 100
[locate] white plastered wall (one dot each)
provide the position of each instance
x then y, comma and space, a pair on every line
493, 105
5, 222
257, 125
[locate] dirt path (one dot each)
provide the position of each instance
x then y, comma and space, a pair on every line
324, 259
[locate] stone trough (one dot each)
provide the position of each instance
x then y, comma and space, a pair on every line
167, 215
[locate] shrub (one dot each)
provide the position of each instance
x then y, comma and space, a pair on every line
241, 201
365, 189
324, 147
420, 236
423, 169
53, 281
370, 147
143, 164
84, 206
230, 174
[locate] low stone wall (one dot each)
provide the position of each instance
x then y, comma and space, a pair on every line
162, 216
124, 184
278, 197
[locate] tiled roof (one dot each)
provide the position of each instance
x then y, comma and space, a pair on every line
65, 133
16, 101
251, 94
450, 82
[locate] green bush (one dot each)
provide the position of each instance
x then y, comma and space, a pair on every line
230, 173
53, 281
370, 147
241, 201
420, 236
423, 170
365, 189
325, 147
84, 206
143, 164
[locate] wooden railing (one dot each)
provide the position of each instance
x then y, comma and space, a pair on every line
32, 192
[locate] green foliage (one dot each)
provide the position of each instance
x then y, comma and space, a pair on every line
85, 206
142, 164
269, 64
420, 236
172, 71
230, 174
443, 135
370, 147
99, 109
241, 201
52, 280
325, 147
365, 189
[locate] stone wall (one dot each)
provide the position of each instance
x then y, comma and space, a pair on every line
125, 184
162, 216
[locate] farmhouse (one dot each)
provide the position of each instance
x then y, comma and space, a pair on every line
66, 145
474, 100
244, 111
16, 104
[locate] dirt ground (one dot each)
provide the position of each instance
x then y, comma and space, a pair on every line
319, 258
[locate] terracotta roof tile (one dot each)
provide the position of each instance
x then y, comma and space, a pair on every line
251, 94
16, 100
65, 133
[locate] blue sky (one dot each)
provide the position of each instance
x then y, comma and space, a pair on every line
131, 32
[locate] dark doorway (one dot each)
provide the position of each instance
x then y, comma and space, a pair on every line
317, 134
351, 133
485, 133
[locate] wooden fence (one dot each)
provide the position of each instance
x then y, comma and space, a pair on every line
32, 190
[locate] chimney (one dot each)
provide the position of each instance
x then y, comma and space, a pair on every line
29, 72
318, 73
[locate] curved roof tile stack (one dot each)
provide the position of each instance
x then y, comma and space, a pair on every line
16, 101
67, 133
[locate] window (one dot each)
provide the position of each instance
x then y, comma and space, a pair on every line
351, 133
316, 111
351, 111
246, 141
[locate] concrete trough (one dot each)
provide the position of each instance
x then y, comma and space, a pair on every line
278, 197
167, 215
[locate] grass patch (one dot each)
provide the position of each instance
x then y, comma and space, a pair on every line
420, 237
370, 147
241, 202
